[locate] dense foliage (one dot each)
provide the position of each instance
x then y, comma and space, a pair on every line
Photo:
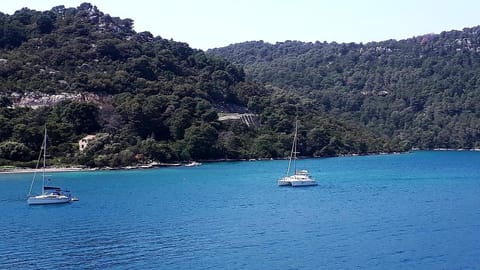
154, 99
421, 92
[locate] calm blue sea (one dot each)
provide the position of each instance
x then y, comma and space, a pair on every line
419, 210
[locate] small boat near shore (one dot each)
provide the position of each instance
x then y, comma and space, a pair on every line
300, 178
49, 194
193, 164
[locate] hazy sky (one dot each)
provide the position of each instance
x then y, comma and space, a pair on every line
207, 24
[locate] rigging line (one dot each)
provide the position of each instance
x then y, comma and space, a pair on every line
36, 167
293, 151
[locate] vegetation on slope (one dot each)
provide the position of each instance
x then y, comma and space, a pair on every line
421, 92
149, 99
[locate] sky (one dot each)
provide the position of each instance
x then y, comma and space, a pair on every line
205, 24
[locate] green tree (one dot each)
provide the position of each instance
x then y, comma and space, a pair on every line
45, 24
200, 141
15, 151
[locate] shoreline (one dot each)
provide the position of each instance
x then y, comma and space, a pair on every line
31, 170
17, 170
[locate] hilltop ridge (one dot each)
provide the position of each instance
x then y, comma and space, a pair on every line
81, 72
423, 91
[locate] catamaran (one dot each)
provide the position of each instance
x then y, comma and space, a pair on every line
49, 194
299, 178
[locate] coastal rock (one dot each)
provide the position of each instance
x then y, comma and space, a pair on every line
36, 100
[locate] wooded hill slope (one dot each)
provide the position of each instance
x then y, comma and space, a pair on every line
146, 98
423, 92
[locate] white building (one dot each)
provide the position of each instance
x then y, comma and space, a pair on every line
83, 143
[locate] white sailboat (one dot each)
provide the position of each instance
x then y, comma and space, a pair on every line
49, 194
299, 178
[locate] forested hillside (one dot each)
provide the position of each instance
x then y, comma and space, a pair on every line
423, 92
79, 71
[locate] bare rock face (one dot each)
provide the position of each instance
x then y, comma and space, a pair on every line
36, 100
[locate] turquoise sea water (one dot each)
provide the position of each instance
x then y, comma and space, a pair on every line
410, 211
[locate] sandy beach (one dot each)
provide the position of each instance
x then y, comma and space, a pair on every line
50, 170
6, 170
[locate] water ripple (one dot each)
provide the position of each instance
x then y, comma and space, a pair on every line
369, 216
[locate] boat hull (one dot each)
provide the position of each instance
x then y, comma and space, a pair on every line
284, 183
303, 183
297, 183
45, 199
299, 179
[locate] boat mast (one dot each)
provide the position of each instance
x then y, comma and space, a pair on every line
293, 152
44, 157
295, 138
36, 168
